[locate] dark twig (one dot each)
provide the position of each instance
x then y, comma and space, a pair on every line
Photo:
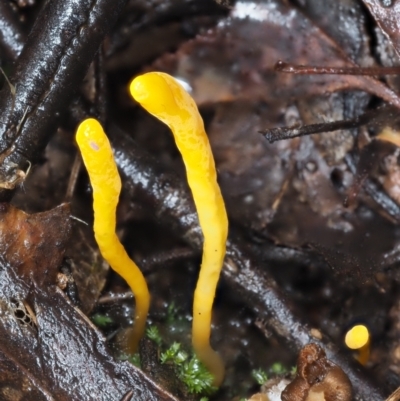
62, 44
280, 133
100, 86
165, 258
12, 37
173, 204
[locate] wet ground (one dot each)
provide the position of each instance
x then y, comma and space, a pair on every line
314, 220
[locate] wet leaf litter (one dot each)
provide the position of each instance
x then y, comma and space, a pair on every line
313, 243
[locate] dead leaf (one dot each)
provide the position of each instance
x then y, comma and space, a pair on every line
34, 244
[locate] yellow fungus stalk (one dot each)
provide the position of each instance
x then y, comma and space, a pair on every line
163, 97
98, 158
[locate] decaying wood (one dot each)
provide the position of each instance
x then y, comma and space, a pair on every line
46, 343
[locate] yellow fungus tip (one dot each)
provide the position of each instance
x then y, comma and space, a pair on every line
90, 123
138, 89
357, 337
87, 127
162, 96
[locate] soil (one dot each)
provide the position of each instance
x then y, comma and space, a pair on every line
314, 240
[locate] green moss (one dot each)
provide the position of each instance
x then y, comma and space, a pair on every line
174, 355
196, 377
260, 376
172, 313
153, 334
135, 360
190, 370
101, 320
278, 369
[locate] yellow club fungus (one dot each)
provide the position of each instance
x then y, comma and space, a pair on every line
358, 338
163, 97
106, 183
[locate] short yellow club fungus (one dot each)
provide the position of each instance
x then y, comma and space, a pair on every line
358, 338
163, 97
106, 183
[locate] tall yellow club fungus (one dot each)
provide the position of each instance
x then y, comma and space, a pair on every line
358, 338
106, 183
163, 97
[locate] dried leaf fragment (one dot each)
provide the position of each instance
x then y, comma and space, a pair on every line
34, 244
317, 378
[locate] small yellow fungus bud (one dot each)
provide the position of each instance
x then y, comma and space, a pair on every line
163, 97
358, 338
98, 158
